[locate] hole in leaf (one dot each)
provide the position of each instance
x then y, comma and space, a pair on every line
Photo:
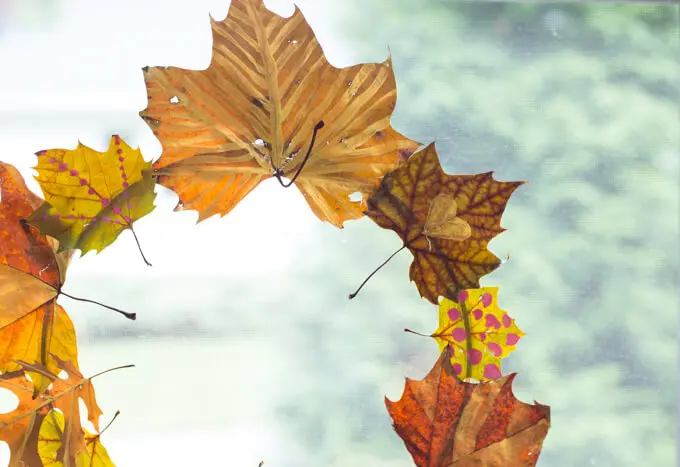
356, 196
293, 41
258, 142
8, 401
174, 100
4, 454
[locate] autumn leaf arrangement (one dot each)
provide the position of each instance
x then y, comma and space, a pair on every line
269, 105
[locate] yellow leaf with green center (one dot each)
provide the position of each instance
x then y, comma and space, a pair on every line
90, 196
477, 333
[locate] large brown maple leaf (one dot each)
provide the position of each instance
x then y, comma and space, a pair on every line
445, 422
446, 221
254, 113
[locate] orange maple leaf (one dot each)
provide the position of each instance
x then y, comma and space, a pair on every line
32, 325
256, 112
446, 221
445, 422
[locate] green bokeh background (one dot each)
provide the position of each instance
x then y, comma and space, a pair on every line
582, 100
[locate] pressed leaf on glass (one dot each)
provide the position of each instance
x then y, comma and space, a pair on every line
255, 112
445, 422
476, 333
446, 221
32, 325
91, 197
36, 435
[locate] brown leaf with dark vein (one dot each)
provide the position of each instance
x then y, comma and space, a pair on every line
445, 422
252, 115
32, 325
446, 221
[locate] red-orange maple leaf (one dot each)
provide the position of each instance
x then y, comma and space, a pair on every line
445, 422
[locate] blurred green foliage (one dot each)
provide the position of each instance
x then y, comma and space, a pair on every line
582, 101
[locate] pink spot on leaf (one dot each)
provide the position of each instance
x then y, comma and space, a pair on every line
486, 299
106, 218
475, 356
482, 336
105, 201
61, 167
477, 314
121, 168
73, 173
124, 176
121, 158
120, 151
116, 209
458, 334
506, 321
462, 296
457, 368
52, 159
454, 314
511, 339
495, 349
91, 191
83, 182
492, 321
57, 216
126, 184
127, 219
491, 371
116, 138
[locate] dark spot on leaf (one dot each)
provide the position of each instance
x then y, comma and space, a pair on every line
380, 134
257, 103
404, 154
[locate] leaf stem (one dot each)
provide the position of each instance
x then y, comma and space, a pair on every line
128, 315
356, 292
139, 246
278, 173
115, 415
416, 333
110, 370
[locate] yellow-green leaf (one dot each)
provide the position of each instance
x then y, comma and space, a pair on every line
91, 197
51, 440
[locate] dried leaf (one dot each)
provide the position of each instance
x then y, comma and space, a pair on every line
448, 423
32, 325
442, 220
50, 442
432, 211
33, 430
91, 197
252, 113
476, 333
